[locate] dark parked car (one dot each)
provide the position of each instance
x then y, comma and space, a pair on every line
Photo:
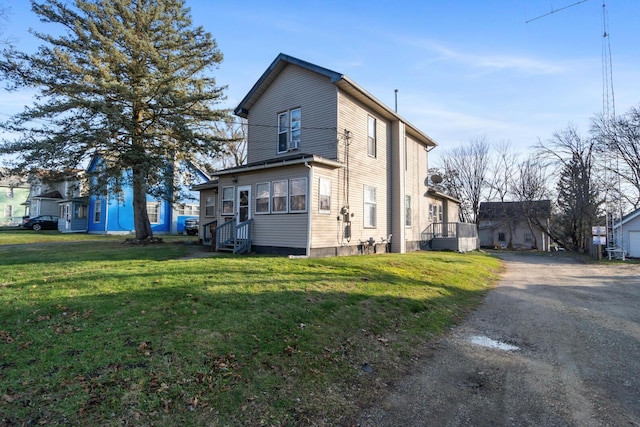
42, 222
191, 226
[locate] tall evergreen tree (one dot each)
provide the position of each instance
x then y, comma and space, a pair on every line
578, 195
127, 80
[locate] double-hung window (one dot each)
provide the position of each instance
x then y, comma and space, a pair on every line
263, 198
227, 200
407, 211
279, 196
371, 136
370, 206
210, 206
153, 210
97, 211
289, 129
298, 194
324, 195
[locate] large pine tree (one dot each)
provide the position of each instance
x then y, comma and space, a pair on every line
127, 80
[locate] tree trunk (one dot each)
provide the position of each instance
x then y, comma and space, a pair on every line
140, 214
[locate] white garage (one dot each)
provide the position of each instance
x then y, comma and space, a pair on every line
628, 234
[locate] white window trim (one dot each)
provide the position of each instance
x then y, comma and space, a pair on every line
324, 184
232, 200
372, 148
285, 195
210, 205
305, 193
268, 211
374, 219
158, 215
97, 211
289, 129
408, 220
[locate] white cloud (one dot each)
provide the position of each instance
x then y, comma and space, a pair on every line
490, 62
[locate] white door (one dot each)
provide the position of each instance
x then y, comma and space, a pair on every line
244, 203
634, 244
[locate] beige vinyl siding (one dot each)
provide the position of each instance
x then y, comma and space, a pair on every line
364, 169
326, 230
415, 186
279, 229
294, 87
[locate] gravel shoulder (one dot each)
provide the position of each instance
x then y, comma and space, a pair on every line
556, 343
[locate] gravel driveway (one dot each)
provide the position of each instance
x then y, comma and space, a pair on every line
557, 343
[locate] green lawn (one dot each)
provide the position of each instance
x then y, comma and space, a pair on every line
102, 333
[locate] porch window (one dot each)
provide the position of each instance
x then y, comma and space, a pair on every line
298, 195
227, 200
210, 206
371, 136
263, 198
324, 195
370, 206
435, 213
80, 211
289, 128
153, 210
279, 196
97, 211
407, 211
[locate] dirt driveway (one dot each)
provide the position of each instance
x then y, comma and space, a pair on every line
557, 343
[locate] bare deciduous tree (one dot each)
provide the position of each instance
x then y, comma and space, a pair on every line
619, 143
578, 196
466, 168
502, 172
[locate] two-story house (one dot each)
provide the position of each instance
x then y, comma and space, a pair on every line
61, 195
330, 170
14, 192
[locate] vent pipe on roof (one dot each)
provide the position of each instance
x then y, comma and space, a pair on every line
396, 92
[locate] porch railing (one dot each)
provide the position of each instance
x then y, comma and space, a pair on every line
234, 237
449, 230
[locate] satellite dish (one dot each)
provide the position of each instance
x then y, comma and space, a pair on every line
436, 179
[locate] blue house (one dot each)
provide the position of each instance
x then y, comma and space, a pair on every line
113, 213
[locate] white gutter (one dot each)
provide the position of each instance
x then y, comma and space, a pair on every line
262, 166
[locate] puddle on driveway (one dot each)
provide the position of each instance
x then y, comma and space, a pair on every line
490, 343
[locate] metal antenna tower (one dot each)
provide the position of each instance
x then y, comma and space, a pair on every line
613, 206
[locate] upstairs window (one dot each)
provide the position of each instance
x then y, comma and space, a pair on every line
289, 128
371, 137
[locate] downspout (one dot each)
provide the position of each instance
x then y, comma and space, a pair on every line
309, 210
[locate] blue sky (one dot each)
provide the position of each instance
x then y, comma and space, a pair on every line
463, 69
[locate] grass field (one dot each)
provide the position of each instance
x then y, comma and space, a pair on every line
96, 332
